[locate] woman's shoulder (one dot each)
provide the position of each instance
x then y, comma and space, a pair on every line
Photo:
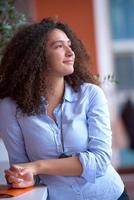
7, 106
93, 93
7, 114
91, 89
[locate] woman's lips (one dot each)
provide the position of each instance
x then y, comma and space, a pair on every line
68, 61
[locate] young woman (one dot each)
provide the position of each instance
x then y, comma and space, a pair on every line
54, 119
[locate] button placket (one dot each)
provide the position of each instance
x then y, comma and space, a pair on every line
58, 142
57, 114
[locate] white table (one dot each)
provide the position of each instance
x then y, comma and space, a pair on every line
38, 193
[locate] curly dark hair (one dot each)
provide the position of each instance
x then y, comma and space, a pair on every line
24, 61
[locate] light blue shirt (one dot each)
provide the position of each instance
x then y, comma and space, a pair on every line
83, 121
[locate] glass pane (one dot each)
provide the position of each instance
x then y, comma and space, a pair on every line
124, 70
127, 157
122, 18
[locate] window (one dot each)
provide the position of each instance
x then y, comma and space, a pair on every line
124, 70
122, 19
122, 27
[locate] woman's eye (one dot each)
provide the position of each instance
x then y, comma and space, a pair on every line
59, 46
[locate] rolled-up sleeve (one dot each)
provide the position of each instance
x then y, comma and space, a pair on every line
98, 155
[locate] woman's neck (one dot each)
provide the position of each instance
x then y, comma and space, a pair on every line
55, 90
54, 95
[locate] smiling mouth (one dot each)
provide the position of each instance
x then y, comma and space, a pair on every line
68, 62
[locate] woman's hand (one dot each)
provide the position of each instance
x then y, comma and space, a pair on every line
21, 175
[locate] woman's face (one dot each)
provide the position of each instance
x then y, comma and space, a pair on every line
60, 57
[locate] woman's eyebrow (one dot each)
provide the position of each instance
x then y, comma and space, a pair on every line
59, 41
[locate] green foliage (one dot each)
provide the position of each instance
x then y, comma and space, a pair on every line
10, 20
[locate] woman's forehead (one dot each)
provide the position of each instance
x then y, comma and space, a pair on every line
57, 35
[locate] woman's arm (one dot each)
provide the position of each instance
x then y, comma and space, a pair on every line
22, 175
70, 166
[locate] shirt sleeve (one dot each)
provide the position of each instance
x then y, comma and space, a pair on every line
98, 155
11, 133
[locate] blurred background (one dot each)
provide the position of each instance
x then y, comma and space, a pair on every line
106, 27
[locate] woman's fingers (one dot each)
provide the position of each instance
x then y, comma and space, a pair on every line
15, 171
13, 176
13, 179
23, 184
20, 176
16, 168
9, 172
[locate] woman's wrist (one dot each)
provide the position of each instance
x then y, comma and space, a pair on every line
39, 167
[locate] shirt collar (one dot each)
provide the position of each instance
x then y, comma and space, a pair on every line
70, 95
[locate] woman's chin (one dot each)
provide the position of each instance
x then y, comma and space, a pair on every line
69, 72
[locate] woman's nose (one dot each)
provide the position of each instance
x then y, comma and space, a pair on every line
69, 51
